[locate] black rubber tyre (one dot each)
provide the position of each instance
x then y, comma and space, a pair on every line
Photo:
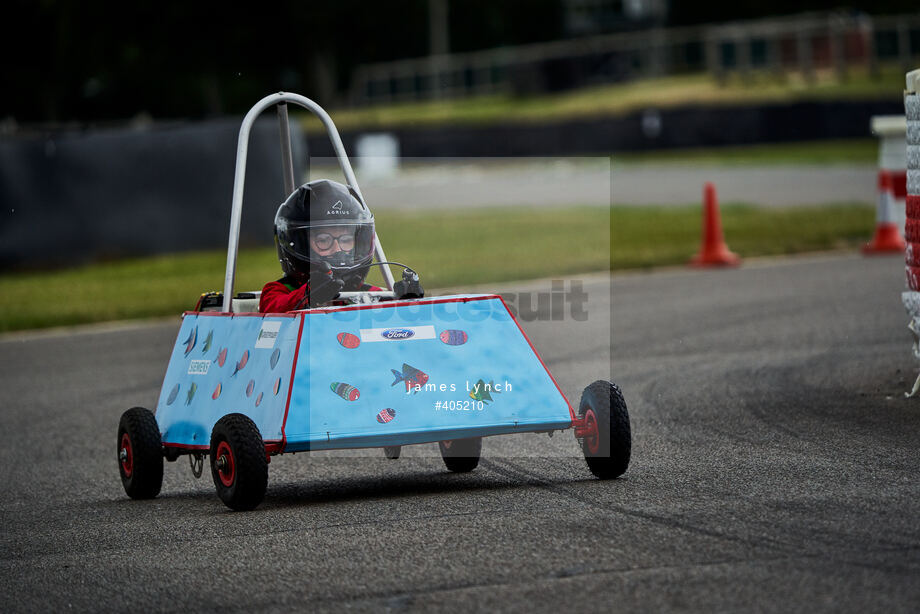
392, 452
140, 453
461, 455
238, 463
608, 453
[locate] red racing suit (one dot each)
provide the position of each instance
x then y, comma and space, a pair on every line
285, 295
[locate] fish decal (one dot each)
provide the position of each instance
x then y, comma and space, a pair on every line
481, 390
172, 395
216, 392
412, 376
349, 393
242, 363
348, 340
453, 337
207, 342
259, 399
277, 386
191, 393
222, 357
274, 359
386, 415
190, 342
250, 387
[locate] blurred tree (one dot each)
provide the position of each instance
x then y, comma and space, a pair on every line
97, 60
687, 13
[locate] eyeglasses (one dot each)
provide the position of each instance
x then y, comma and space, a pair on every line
324, 241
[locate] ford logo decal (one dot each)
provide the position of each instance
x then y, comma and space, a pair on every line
397, 333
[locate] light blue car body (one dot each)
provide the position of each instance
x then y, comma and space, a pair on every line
355, 376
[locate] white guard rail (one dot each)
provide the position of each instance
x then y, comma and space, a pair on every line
239, 179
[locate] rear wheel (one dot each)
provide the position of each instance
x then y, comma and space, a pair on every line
461, 455
606, 440
238, 463
140, 454
392, 452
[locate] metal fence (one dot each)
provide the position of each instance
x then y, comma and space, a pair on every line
804, 43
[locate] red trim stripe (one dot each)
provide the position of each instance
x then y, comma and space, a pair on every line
287, 405
294, 314
400, 304
248, 314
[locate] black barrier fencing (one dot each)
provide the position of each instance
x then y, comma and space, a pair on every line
649, 129
70, 198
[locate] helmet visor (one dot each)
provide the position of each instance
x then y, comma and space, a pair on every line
340, 245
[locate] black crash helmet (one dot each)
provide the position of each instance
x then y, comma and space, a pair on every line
325, 223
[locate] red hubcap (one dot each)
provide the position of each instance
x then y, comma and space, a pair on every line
126, 455
226, 468
592, 439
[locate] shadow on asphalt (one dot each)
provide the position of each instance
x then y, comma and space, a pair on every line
371, 487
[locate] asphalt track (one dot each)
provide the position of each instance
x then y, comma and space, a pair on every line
547, 182
775, 466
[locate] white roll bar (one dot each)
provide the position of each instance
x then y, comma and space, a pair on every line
239, 179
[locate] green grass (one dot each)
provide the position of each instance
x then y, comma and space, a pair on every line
450, 249
650, 237
618, 99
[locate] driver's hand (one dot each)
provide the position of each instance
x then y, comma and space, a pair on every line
409, 286
325, 291
323, 287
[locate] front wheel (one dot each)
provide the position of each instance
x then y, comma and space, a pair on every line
461, 455
606, 440
140, 454
238, 463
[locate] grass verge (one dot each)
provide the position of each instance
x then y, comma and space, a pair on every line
448, 249
617, 99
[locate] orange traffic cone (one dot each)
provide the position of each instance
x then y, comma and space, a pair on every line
714, 251
887, 237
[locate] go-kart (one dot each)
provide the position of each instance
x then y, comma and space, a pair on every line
375, 369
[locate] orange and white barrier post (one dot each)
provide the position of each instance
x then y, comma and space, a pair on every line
911, 297
892, 177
